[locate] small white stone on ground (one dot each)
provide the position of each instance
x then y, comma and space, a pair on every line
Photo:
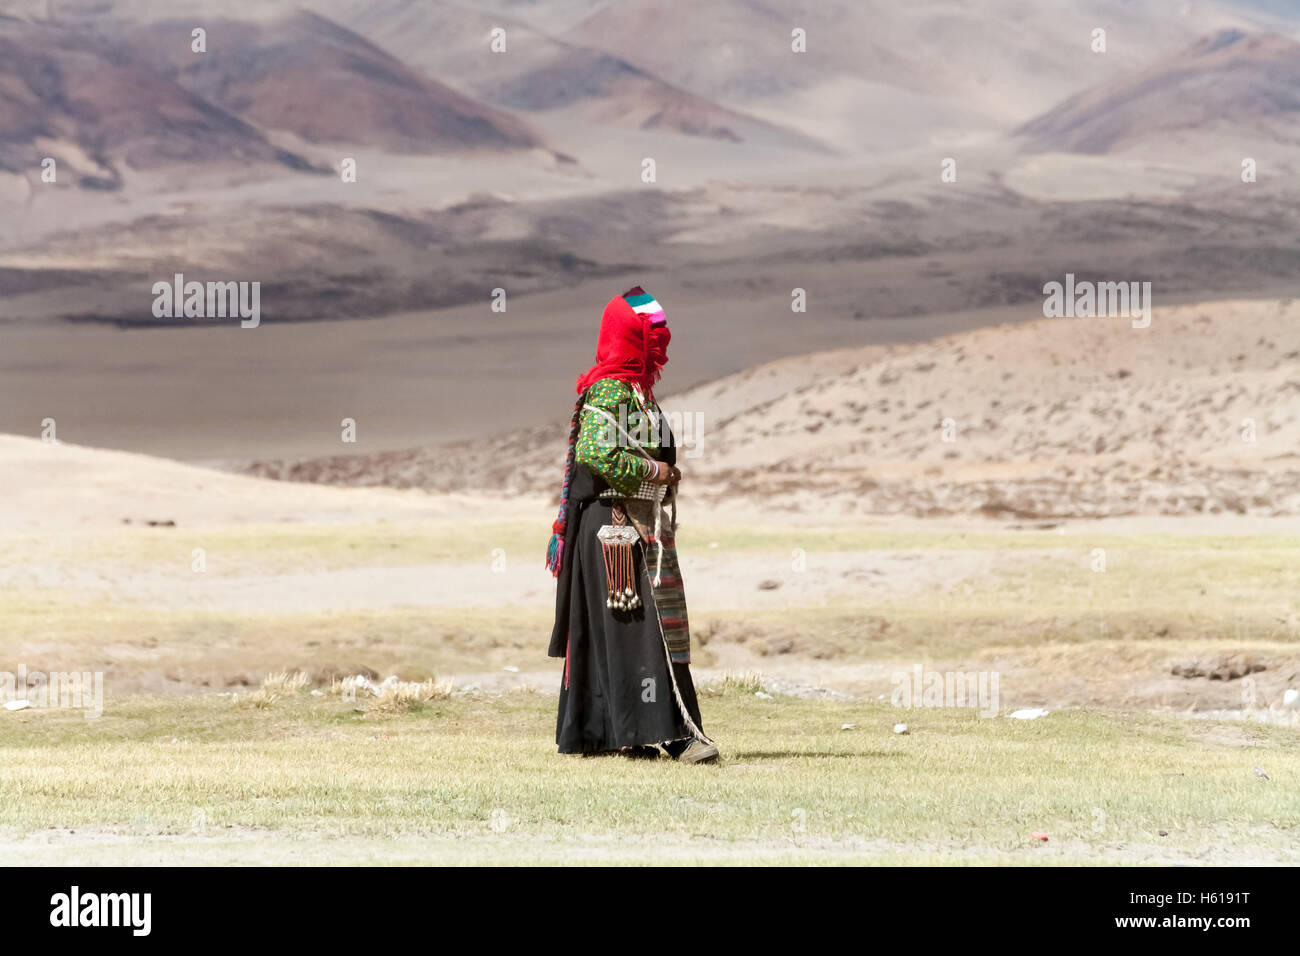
1029, 713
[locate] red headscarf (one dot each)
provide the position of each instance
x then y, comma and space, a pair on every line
633, 347
630, 348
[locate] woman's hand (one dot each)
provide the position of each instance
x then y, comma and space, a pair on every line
664, 474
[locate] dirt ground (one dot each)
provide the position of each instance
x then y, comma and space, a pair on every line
252, 847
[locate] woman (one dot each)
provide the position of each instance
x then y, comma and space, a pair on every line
620, 613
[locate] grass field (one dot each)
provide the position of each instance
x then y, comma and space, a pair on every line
194, 761
322, 599
303, 778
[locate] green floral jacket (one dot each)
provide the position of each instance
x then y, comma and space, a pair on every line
601, 446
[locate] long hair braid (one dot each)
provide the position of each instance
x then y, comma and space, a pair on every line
555, 550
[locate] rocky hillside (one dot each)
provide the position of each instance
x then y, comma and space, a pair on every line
1197, 414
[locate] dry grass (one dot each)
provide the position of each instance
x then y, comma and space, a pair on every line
392, 697
743, 683
1034, 602
274, 687
314, 779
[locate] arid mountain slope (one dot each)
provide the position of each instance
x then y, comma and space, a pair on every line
310, 76
1231, 86
1197, 414
65, 95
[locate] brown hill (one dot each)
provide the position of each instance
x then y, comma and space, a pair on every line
390, 263
312, 77
66, 94
1229, 81
540, 73
1051, 419
905, 74
607, 90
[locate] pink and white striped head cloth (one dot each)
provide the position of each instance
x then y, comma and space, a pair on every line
643, 303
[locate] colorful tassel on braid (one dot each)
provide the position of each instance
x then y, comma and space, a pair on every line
555, 550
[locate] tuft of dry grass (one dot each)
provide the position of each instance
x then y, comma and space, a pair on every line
393, 697
734, 683
285, 683
274, 687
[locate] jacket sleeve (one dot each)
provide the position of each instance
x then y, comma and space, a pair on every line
600, 446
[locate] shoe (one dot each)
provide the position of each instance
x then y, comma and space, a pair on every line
640, 752
699, 752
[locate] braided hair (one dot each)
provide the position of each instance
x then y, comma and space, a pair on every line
555, 550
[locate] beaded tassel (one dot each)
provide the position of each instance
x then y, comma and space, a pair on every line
616, 541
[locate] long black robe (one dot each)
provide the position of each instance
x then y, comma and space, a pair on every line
617, 690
